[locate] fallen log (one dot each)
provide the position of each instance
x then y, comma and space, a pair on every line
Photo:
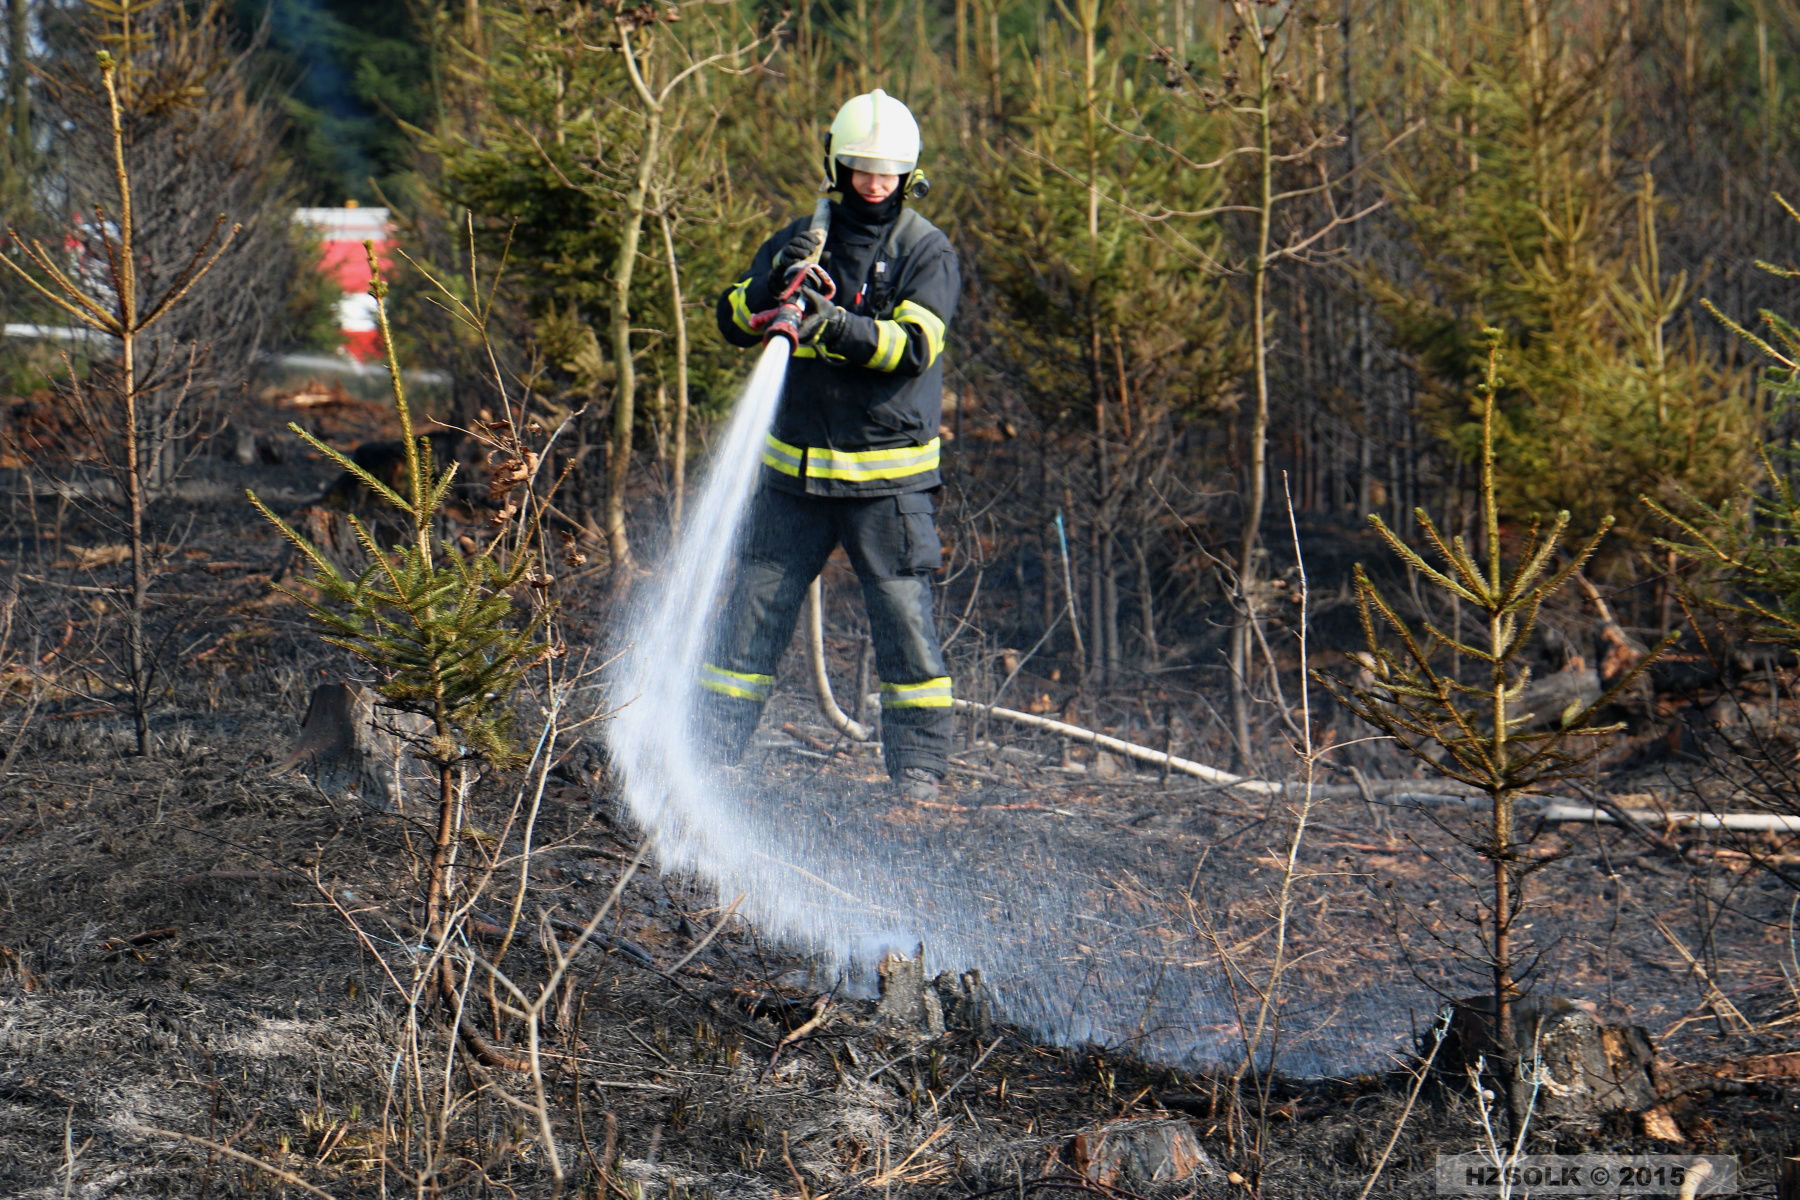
1399, 791
1554, 811
1742, 822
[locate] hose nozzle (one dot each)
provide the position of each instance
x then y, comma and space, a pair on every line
784, 319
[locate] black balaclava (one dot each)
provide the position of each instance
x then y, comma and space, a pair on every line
873, 215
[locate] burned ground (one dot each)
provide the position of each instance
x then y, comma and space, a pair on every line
173, 955
171, 965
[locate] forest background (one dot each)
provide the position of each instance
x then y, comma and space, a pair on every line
1223, 257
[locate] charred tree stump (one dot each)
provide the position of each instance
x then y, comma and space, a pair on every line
954, 1002
1139, 1152
346, 750
907, 1003
1584, 1069
1787, 1184
967, 1005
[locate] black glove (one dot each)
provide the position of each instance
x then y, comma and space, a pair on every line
799, 248
824, 321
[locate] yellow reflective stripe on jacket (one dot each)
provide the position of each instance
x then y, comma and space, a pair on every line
890, 344
926, 320
858, 466
736, 683
740, 306
781, 456
933, 693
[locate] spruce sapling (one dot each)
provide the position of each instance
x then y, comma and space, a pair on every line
1750, 540
1470, 732
439, 626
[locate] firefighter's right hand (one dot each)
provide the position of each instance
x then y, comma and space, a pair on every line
799, 248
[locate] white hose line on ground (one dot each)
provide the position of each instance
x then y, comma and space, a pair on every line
815, 657
1161, 758
1743, 822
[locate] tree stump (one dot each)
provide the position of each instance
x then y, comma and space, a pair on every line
967, 1004
346, 750
1139, 1151
1585, 1068
907, 1003
1787, 1184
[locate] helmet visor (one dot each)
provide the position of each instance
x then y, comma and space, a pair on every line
877, 166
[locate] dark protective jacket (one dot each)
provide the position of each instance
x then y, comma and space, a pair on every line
859, 418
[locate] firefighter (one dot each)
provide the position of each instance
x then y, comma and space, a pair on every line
852, 459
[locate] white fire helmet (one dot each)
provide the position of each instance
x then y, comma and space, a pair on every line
874, 133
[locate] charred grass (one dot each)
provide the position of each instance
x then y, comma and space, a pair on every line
173, 957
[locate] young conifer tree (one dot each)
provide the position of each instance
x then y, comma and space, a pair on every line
130, 407
439, 625
1073, 275
1523, 216
1472, 732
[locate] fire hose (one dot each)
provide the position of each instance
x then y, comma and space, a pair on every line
784, 319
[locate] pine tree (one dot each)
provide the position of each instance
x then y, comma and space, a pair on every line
1746, 542
1472, 732
1110, 318
590, 127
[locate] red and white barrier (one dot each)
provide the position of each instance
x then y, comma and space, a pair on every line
342, 232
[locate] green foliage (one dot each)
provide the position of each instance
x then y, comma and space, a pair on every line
1469, 732
439, 626
311, 312
1523, 219
350, 73
1065, 246
545, 161
1750, 542
1782, 377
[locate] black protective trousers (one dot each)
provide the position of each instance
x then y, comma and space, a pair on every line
893, 544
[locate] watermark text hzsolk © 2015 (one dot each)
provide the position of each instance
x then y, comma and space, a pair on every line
1588, 1175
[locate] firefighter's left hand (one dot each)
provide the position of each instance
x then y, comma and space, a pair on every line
824, 321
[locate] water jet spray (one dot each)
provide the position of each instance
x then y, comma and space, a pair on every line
1041, 920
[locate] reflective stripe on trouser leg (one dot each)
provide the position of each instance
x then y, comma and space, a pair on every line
933, 693
737, 684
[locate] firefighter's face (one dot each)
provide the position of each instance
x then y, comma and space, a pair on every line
873, 188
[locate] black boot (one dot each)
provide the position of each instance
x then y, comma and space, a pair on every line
917, 784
